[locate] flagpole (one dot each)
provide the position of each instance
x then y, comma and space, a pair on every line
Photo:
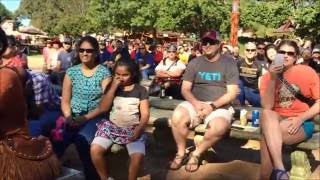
235, 15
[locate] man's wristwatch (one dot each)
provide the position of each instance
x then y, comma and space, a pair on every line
213, 106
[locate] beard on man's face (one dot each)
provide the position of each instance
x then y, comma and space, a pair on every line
211, 54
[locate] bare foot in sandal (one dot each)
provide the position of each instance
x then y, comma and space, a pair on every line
177, 162
193, 163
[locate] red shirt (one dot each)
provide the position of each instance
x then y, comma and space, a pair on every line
15, 62
158, 56
300, 76
133, 54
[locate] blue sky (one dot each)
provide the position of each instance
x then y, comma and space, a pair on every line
13, 5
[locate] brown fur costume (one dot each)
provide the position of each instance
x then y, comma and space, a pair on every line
13, 125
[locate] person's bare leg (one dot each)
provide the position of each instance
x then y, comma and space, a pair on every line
136, 160
266, 163
179, 122
216, 130
270, 124
290, 139
98, 156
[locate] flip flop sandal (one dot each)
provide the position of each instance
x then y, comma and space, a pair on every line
278, 174
196, 162
182, 159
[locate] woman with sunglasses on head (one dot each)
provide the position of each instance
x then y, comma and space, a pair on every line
285, 118
83, 88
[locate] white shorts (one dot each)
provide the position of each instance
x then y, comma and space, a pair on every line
132, 147
195, 120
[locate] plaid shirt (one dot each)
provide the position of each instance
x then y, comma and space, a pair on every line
43, 92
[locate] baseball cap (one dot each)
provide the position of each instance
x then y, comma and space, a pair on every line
213, 35
67, 41
316, 49
172, 48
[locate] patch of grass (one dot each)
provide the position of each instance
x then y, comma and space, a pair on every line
35, 61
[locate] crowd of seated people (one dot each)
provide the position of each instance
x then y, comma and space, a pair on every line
96, 75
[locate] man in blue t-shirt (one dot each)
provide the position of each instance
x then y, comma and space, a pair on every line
65, 57
65, 60
145, 61
105, 56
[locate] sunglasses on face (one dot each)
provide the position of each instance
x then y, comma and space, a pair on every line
289, 53
251, 50
81, 50
209, 42
260, 48
171, 51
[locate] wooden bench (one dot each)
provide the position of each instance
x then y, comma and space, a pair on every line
301, 169
163, 108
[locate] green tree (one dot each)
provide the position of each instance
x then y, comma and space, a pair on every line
307, 16
195, 16
55, 16
261, 16
4, 12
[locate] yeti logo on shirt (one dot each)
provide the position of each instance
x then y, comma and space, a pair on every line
210, 76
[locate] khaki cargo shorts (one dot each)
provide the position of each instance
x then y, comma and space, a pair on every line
195, 120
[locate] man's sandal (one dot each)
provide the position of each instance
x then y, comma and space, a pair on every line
278, 174
196, 162
181, 161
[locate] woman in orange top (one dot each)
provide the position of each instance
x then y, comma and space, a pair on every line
286, 119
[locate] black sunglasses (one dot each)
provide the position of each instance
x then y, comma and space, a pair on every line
81, 50
209, 42
251, 50
289, 53
260, 48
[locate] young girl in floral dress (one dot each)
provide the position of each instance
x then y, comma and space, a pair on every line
128, 106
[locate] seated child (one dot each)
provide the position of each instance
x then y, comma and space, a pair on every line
127, 102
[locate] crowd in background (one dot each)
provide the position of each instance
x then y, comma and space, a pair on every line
77, 74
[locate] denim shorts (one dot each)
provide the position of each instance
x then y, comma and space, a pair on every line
308, 127
137, 146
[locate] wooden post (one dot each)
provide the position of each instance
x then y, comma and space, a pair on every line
234, 22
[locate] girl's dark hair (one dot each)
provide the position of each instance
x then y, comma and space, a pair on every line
133, 68
94, 43
269, 46
3, 42
289, 43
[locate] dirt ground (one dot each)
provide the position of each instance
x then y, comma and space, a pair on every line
228, 161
